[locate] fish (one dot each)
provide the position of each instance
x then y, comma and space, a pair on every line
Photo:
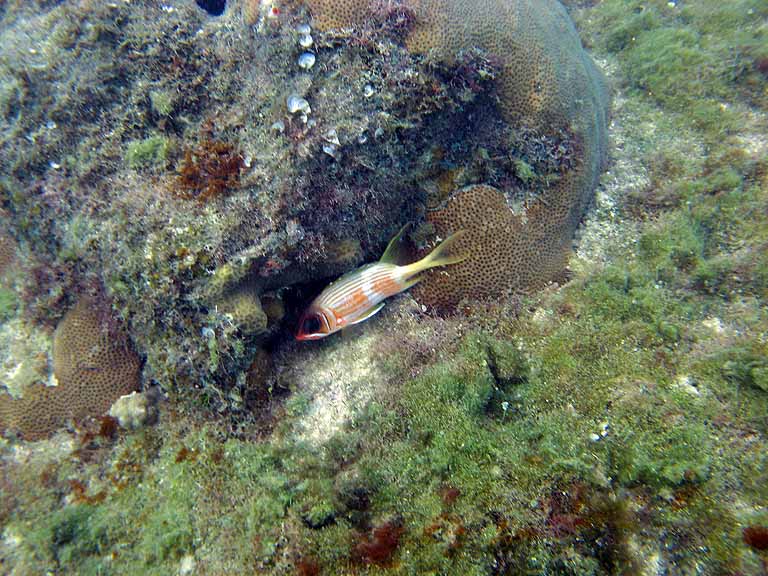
359, 295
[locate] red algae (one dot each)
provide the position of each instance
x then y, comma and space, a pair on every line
108, 427
379, 548
185, 454
449, 495
756, 537
307, 567
209, 171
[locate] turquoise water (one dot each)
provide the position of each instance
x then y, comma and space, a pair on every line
586, 393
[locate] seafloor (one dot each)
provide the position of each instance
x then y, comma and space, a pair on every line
614, 422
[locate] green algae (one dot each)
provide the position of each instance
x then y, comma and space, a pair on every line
661, 45
444, 432
147, 153
9, 303
162, 102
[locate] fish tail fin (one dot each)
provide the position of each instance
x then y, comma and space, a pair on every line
440, 256
412, 281
394, 252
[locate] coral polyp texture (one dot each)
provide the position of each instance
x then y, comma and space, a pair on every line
546, 84
504, 253
93, 364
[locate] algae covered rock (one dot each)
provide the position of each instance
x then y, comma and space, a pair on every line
7, 252
556, 101
207, 207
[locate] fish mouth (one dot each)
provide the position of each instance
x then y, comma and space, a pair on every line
306, 337
303, 337
310, 325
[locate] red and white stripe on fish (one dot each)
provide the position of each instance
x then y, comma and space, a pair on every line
360, 294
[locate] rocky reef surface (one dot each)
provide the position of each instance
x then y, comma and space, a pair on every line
178, 181
200, 176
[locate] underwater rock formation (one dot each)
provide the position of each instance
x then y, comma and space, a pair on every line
180, 180
547, 86
615, 425
7, 252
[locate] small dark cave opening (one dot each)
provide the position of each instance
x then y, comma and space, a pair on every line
213, 7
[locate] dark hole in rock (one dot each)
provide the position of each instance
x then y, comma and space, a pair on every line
213, 7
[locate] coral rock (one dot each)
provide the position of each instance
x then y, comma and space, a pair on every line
133, 411
545, 72
505, 254
546, 84
244, 306
93, 366
329, 14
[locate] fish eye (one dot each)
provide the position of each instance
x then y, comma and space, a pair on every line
311, 325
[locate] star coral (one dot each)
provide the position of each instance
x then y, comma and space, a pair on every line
507, 253
93, 365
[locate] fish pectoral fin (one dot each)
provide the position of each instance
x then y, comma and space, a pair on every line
367, 314
394, 252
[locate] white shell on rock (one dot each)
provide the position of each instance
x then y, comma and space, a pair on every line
330, 149
332, 136
306, 41
306, 60
297, 104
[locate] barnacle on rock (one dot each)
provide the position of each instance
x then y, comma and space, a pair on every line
93, 366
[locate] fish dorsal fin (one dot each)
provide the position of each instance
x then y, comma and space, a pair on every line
394, 252
352, 273
367, 314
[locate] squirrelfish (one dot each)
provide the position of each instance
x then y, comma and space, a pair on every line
359, 294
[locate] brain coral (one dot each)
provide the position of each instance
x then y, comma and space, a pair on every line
93, 366
547, 86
